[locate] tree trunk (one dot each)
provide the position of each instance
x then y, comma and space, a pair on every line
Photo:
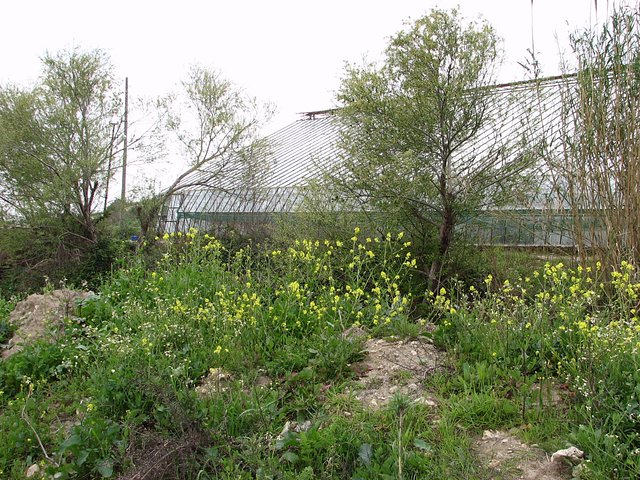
91, 233
445, 239
89, 227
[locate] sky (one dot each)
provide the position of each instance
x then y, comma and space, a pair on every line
289, 53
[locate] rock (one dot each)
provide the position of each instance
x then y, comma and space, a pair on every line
284, 431
37, 315
572, 455
393, 389
294, 427
32, 471
303, 427
216, 381
425, 401
491, 435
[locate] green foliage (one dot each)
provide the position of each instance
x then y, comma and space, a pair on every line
39, 362
55, 144
87, 449
216, 127
55, 140
556, 327
19, 443
6, 328
209, 353
405, 123
482, 411
156, 330
55, 252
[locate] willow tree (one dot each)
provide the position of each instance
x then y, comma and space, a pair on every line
215, 126
56, 141
408, 126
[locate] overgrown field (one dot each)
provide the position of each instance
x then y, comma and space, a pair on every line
572, 330
121, 392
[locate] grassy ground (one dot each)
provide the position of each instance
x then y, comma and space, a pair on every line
117, 394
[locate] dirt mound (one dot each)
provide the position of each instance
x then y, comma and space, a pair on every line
395, 367
38, 315
510, 459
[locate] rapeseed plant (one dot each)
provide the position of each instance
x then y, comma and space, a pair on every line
571, 325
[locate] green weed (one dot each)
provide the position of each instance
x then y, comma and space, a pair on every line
557, 326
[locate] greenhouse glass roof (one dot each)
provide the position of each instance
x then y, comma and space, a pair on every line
297, 154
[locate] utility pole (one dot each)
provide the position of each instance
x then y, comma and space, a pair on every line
113, 122
123, 197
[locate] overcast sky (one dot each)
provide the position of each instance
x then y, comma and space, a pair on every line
287, 52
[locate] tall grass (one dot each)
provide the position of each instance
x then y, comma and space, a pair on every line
598, 169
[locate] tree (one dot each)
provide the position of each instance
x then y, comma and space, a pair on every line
215, 126
408, 125
56, 140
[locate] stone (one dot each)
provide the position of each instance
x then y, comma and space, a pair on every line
425, 401
216, 381
303, 427
32, 471
490, 435
286, 429
572, 455
38, 316
294, 427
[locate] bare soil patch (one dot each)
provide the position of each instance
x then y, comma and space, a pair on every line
154, 457
510, 459
395, 367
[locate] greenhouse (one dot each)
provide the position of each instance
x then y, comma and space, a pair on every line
522, 113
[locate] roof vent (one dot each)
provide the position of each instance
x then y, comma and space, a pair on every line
318, 114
